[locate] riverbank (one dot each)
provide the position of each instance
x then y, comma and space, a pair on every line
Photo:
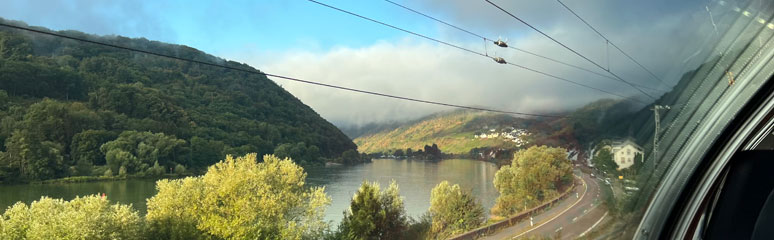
83, 179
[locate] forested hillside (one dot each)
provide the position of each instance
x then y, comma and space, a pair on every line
69, 108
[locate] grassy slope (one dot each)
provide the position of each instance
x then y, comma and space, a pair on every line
453, 132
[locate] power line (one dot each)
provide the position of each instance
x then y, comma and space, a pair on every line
284, 77
472, 51
438, 20
610, 42
400, 29
515, 48
582, 68
568, 48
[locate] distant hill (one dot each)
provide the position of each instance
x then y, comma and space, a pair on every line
61, 100
353, 131
454, 132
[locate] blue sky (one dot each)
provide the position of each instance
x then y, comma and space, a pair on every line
225, 26
301, 39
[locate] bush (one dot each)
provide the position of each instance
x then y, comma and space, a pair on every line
108, 173
374, 214
88, 217
122, 171
239, 198
180, 169
453, 211
156, 170
420, 228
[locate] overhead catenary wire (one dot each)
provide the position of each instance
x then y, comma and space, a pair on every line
285, 77
474, 52
518, 49
568, 48
611, 43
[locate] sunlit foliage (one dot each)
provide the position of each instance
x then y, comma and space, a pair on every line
240, 198
534, 176
90, 217
375, 214
453, 211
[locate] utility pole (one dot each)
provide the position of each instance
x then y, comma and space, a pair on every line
658, 129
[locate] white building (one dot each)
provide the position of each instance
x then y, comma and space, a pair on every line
624, 153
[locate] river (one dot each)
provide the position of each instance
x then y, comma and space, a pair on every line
415, 178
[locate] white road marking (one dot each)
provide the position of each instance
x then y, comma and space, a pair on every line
586, 189
593, 226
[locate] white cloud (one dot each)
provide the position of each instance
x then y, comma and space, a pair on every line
420, 69
417, 70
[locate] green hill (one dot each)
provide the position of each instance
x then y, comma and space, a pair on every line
454, 132
61, 100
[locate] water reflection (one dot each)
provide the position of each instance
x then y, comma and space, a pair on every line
415, 178
133, 191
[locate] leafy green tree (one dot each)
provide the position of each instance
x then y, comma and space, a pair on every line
180, 169
374, 214
399, 153
453, 211
117, 158
14, 46
138, 151
205, 152
239, 198
3, 100
85, 146
603, 160
59, 122
122, 171
300, 152
89, 217
534, 176
32, 157
350, 157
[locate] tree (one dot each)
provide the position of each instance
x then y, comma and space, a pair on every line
206, 152
89, 217
239, 198
433, 152
141, 150
399, 153
59, 122
85, 145
453, 211
350, 157
534, 176
32, 157
300, 152
117, 158
3, 99
603, 160
374, 214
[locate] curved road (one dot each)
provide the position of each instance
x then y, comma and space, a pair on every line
571, 218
